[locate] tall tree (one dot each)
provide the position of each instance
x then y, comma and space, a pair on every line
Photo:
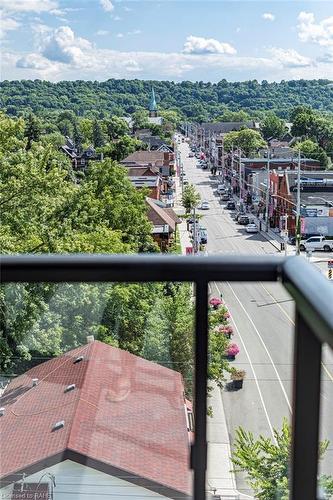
32, 130
272, 126
190, 198
98, 134
248, 140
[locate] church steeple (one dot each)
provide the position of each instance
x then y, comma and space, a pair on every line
152, 104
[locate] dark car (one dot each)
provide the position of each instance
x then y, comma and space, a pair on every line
243, 220
230, 205
225, 197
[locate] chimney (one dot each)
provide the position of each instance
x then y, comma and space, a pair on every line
90, 338
35, 382
2, 412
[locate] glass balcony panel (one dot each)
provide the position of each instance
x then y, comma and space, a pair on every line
97, 390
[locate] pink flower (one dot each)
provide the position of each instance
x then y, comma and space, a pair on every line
226, 330
232, 350
215, 301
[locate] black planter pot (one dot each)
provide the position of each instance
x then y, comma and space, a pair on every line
237, 384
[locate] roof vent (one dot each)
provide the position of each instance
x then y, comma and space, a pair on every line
58, 425
77, 360
90, 338
35, 382
2, 412
70, 387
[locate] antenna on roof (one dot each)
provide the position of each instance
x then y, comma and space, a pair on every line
2, 412
78, 359
35, 382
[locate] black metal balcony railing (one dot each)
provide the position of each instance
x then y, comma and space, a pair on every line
313, 297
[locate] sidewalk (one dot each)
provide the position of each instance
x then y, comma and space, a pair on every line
184, 235
220, 478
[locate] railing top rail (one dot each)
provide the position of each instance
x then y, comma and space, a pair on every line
137, 268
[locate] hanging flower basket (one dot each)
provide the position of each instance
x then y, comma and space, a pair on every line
215, 302
232, 351
226, 330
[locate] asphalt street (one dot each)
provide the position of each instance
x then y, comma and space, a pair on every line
263, 320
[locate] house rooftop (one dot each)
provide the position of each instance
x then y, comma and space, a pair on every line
125, 416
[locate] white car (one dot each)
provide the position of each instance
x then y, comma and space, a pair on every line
317, 243
251, 228
205, 205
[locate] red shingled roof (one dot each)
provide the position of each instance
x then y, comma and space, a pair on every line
125, 416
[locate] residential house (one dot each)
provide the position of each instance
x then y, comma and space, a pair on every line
96, 422
147, 177
164, 222
165, 161
80, 160
155, 143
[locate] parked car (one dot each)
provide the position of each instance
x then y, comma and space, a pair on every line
205, 205
230, 205
251, 228
185, 182
238, 215
243, 220
191, 154
292, 239
225, 197
317, 243
204, 165
220, 189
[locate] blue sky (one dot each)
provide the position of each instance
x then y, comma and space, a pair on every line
173, 40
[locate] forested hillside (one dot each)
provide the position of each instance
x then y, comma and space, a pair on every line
197, 101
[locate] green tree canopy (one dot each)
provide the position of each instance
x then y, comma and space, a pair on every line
265, 462
190, 198
248, 140
272, 126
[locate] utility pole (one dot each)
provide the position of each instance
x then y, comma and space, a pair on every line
240, 177
286, 233
195, 242
267, 191
298, 205
222, 159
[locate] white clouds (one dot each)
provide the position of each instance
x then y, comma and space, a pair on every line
268, 16
102, 32
106, 5
134, 32
290, 58
309, 30
61, 45
7, 24
120, 35
200, 45
34, 61
28, 5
